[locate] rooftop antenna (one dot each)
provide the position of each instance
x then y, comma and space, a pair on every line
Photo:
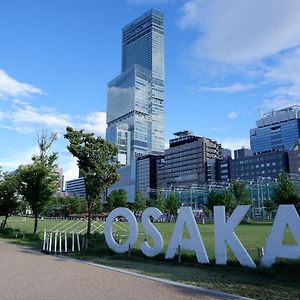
261, 114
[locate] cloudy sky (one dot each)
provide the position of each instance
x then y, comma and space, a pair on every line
224, 60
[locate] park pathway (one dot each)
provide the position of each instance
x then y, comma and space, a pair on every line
26, 274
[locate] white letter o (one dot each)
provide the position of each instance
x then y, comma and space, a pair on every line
133, 230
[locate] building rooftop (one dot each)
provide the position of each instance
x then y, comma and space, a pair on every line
278, 116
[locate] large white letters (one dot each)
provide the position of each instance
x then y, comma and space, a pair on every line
195, 243
224, 232
153, 232
133, 234
286, 215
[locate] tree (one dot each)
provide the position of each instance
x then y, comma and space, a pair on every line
160, 202
38, 181
240, 192
140, 202
172, 204
285, 192
111, 200
117, 198
97, 162
228, 200
213, 199
225, 198
1, 173
121, 198
8, 197
269, 206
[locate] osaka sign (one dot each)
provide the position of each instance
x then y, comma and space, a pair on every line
224, 235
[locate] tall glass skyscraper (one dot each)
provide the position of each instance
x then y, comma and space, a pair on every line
277, 130
135, 101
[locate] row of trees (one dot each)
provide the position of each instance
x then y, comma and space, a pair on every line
37, 182
237, 194
118, 198
230, 198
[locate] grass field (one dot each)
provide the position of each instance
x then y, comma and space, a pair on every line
251, 235
280, 282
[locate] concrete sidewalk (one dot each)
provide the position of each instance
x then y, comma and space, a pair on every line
26, 274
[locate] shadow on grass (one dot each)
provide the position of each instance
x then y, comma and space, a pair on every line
17, 237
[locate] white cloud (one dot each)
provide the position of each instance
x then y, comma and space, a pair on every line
242, 31
234, 143
94, 122
233, 115
235, 88
71, 170
10, 87
284, 73
32, 115
15, 159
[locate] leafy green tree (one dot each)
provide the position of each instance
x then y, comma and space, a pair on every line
285, 192
228, 200
121, 198
240, 192
214, 198
8, 197
111, 200
38, 181
1, 173
269, 206
140, 202
172, 204
225, 198
160, 202
97, 162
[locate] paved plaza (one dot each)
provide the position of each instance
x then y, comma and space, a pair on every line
32, 275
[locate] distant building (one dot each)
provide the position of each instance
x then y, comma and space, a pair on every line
226, 153
267, 164
223, 174
76, 187
294, 159
186, 160
277, 130
146, 173
242, 153
135, 102
59, 173
127, 181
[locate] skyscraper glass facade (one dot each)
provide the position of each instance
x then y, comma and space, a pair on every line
278, 130
135, 103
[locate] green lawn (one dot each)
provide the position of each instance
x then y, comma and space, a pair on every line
251, 235
280, 282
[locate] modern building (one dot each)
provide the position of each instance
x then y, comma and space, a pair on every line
146, 173
226, 153
242, 153
127, 181
58, 171
135, 101
186, 160
267, 165
294, 159
76, 187
277, 130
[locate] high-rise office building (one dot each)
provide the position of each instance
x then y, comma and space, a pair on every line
185, 163
277, 130
135, 102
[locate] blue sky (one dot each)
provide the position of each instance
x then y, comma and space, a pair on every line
223, 61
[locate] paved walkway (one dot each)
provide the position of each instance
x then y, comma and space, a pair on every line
26, 274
